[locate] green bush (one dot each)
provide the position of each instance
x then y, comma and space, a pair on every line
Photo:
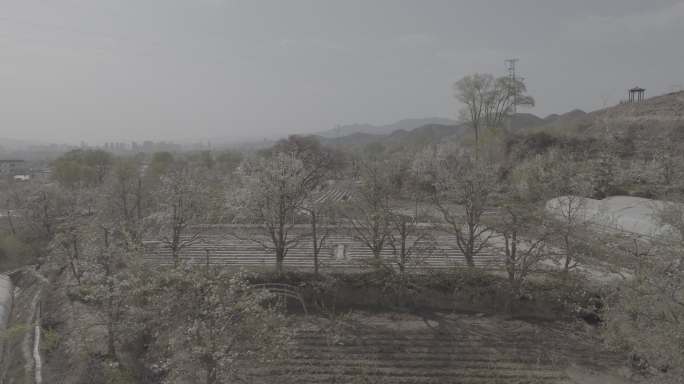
15, 332
114, 373
14, 253
555, 296
50, 340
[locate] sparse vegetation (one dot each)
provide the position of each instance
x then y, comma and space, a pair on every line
500, 248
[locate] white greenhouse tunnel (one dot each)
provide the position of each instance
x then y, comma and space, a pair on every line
629, 214
5, 300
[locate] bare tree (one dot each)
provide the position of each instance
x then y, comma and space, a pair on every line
319, 162
461, 191
70, 241
521, 255
409, 242
488, 101
521, 224
82, 168
569, 222
186, 199
319, 235
558, 177
273, 195
213, 324
644, 315
368, 213
472, 91
505, 94
43, 208
9, 212
667, 152
126, 200
107, 268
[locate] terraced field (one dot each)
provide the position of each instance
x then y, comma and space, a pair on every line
234, 245
335, 192
444, 349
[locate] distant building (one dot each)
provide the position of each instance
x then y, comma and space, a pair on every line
11, 167
22, 177
637, 95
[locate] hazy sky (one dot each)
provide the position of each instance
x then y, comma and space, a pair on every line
97, 70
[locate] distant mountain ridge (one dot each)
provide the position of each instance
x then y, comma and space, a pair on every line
405, 124
417, 136
656, 114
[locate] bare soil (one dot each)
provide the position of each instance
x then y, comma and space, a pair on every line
365, 347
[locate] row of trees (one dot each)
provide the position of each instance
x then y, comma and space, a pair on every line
462, 184
487, 206
89, 227
165, 198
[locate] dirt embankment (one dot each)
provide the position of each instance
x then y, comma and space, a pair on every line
21, 355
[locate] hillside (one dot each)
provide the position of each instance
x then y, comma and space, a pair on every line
666, 110
662, 114
560, 119
413, 138
357, 139
417, 137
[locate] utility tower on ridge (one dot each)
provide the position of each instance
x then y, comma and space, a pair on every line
510, 65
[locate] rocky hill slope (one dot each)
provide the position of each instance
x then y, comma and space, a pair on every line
659, 115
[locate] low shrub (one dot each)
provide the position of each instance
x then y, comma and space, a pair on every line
460, 289
14, 253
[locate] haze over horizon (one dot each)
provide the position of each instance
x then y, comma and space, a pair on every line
96, 71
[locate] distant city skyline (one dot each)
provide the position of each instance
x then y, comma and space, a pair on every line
220, 70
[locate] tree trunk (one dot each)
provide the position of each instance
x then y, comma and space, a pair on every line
477, 141
72, 261
111, 347
402, 263
469, 259
316, 263
46, 217
314, 236
470, 245
174, 255
568, 256
402, 255
470, 249
10, 222
211, 371
279, 260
